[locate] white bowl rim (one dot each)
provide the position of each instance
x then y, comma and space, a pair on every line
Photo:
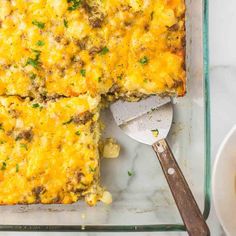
227, 137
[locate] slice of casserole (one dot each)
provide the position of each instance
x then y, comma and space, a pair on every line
49, 151
121, 47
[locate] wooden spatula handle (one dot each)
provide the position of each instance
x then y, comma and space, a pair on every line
188, 208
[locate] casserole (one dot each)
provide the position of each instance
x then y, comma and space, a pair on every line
146, 202
67, 52
68, 48
50, 150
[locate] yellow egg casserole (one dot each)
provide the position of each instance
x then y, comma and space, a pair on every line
49, 150
73, 47
58, 58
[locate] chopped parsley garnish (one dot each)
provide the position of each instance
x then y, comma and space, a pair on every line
17, 168
34, 61
99, 79
17, 138
83, 72
32, 76
35, 105
2, 142
37, 53
77, 133
75, 4
40, 43
92, 169
130, 173
68, 122
119, 77
104, 50
155, 132
144, 60
4, 165
39, 24
65, 23
22, 145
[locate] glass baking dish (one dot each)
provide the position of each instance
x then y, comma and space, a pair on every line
142, 201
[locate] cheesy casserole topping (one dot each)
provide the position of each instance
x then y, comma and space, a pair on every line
49, 151
65, 47
57, 59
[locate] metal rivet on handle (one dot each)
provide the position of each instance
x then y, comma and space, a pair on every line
160, 148
171, 171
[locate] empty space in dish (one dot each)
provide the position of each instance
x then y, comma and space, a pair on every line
144, 197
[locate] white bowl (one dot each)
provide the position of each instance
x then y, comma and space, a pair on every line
224, 183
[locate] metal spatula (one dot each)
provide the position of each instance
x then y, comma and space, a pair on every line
149, 121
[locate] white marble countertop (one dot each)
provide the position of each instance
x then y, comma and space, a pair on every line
223, 84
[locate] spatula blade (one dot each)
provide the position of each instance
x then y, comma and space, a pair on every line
151, 127
124, 111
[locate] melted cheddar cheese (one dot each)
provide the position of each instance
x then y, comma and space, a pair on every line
49, 151
61, 47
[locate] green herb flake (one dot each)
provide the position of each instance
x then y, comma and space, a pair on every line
37, 53
2, 142
75, 4
35, 105
77, 133
17, 167
92, 169
4, 165
130, 173
23, 145
144, 60
17, 138
32, 76
99, 79
68, 122
65, 23
39, 24
155, 132
119, 77
104, 50
40, 43
83, 72
32, 62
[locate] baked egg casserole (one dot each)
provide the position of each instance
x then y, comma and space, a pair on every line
72, 47
49, 150
58, 60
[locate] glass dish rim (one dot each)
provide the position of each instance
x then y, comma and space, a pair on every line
207, 174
